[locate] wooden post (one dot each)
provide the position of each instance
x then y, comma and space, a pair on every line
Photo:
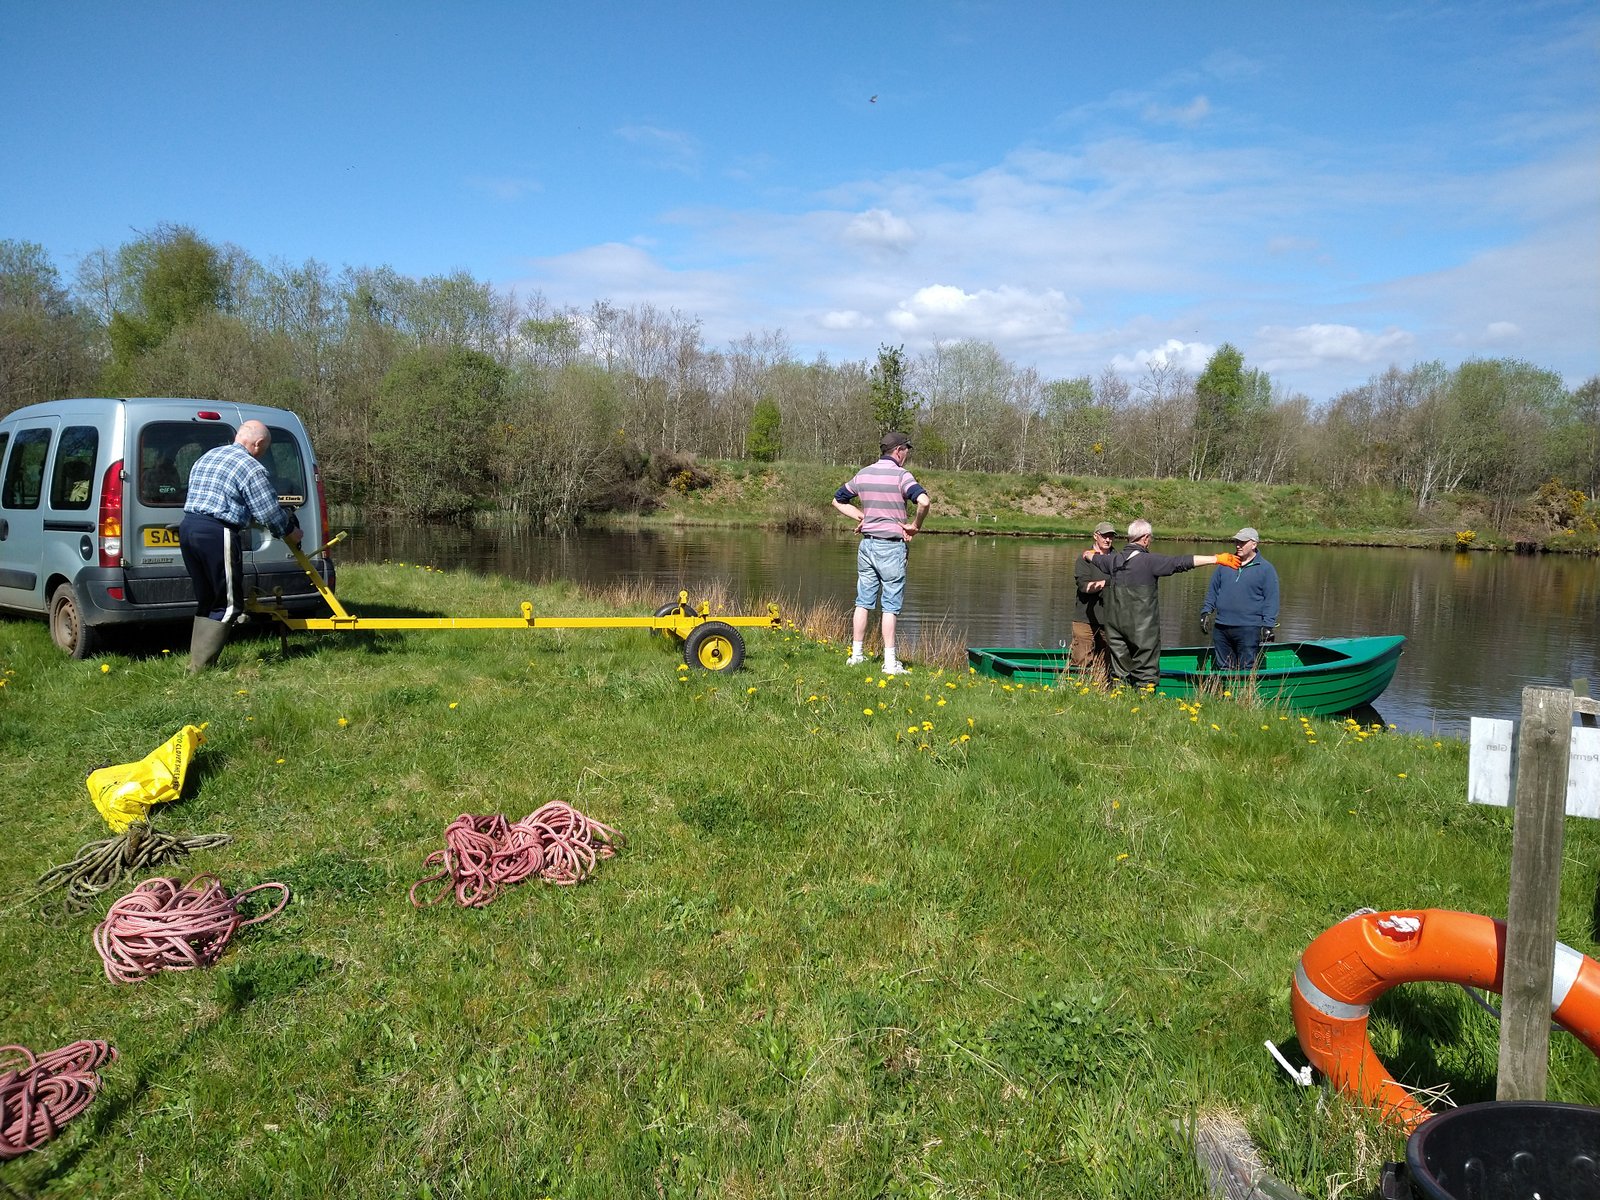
1544, 740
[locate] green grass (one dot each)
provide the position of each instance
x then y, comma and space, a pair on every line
982, 941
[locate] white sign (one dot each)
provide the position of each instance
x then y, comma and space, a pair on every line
1489, 767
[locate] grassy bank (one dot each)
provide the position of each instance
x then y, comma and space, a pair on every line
924, 936
797, 495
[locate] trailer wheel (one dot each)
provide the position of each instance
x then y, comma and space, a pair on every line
67, 629
673, 608
714, 646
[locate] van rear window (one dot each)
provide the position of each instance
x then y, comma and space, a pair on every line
73, 478
167, 450
287, 468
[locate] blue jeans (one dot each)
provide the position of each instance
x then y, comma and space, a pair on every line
1237, 647
881, 569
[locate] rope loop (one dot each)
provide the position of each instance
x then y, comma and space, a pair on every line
39, 1094
164, 925
483, 854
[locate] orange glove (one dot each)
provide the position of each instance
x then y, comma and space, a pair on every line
1228, 560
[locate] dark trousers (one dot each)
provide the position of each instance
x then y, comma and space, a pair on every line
213, 554
1237, 647
1131, 661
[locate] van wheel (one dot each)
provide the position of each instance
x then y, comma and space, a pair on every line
66, 629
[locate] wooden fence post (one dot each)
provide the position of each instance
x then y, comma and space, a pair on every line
1544, 740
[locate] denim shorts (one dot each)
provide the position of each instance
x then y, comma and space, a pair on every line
881, 568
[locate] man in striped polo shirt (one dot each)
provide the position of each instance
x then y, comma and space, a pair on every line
875, 499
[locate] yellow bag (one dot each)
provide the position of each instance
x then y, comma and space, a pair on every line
124, 794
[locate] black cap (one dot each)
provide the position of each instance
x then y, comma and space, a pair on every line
893, 440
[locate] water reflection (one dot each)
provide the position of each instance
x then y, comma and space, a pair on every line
1479, 626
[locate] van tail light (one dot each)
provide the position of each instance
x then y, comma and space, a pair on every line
111, 516
322, 505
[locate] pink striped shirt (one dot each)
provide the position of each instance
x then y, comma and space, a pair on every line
883, 490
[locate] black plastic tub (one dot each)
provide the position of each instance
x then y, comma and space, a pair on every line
1507, 1150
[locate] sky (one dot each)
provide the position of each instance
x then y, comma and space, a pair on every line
1333, 189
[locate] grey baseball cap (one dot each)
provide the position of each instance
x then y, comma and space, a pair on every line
1247, 534
1106, 529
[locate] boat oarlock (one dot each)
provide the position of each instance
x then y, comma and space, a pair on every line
1350, 965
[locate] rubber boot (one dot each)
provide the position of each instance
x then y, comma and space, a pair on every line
206, 643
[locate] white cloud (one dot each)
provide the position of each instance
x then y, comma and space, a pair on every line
847, 320
503, 189
1278, 348
1186, 356
1289, 244
880, 229
1501, 331
668, 149
1192, 113
941, 312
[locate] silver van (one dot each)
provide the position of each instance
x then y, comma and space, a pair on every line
91, 495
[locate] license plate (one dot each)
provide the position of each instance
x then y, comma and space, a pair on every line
160, 536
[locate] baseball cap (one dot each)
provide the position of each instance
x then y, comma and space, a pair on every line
1106, 529
1247, 534
894, 439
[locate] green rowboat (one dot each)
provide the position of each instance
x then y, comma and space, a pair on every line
1319, 677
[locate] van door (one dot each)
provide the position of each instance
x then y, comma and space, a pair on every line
270, 565
160, 456
22, 487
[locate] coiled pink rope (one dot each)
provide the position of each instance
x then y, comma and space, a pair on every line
164, 925
40, 1095
483, 854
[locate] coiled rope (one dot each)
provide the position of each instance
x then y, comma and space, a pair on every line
102, 865
40, 1094
164, 925
483, 854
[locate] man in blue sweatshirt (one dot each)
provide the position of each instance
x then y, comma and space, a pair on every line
1241, 606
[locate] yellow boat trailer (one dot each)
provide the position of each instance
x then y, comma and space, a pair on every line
711, 645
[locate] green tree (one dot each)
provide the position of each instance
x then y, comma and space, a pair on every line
1504, 413
169, 279
894, 405
765, 440
431, 431
1226, 399
46, 342
1076, 428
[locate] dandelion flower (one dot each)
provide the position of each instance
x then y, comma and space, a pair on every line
105, 668
343, 721
1120, 857
280, 762
1402, 775
867, 711
453, 703
966, 737
749, 691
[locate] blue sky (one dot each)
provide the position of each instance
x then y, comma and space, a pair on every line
1331, 188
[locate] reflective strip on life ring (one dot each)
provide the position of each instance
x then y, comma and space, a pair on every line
1350, 965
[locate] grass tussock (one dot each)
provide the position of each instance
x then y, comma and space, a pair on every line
924, 936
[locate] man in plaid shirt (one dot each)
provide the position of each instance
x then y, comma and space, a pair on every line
229, 490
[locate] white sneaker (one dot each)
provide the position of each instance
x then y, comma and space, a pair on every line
893, 667
855, 660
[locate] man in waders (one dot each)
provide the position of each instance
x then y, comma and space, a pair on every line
228, 490
1131, 611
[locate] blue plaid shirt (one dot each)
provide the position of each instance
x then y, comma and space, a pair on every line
230, 485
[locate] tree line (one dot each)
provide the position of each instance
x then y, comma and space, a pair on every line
442, 396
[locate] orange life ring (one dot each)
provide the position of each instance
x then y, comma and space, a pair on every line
1350, 965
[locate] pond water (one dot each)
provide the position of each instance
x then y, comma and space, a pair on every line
1478, 626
